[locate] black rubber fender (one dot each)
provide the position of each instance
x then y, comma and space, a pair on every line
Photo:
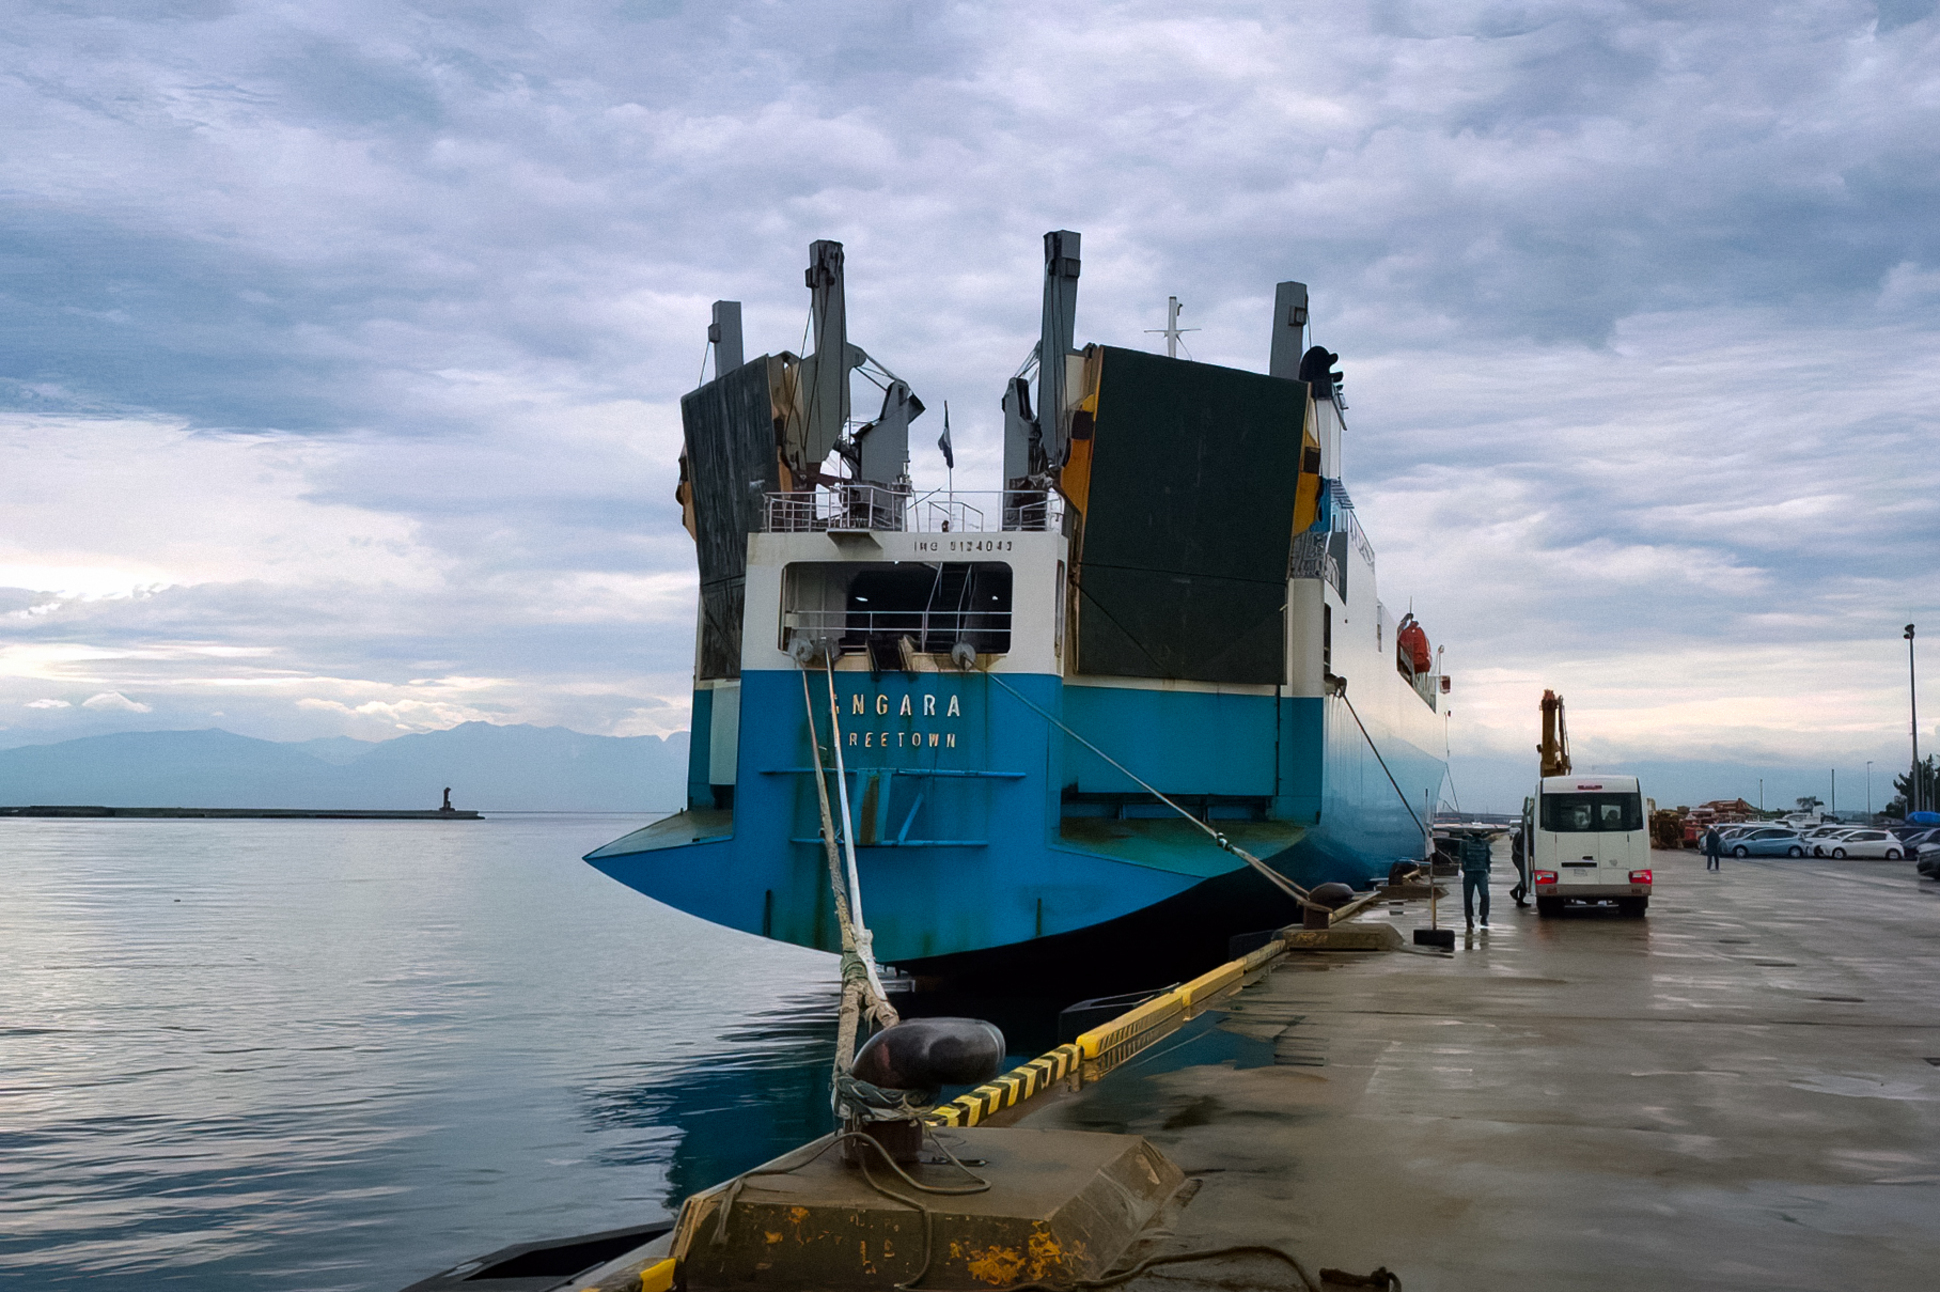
930, 1053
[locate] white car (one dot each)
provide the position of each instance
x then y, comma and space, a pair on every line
1821, 841
1866, 843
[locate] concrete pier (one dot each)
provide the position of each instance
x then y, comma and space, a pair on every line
1740, 1091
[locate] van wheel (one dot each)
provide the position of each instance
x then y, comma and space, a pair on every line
1632, 907
1549, 906
1741, 851
1795, 851
1892, 854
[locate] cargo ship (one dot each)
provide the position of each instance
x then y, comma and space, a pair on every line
1170, 595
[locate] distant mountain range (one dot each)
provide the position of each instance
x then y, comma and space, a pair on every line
488, 767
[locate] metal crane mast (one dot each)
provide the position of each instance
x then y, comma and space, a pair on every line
1555, 748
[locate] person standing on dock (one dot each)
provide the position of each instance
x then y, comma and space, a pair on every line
1713, 849
1475, 877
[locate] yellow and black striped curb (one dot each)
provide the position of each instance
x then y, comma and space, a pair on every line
1114, 1042
1009, 1090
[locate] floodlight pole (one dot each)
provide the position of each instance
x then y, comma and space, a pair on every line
1913, 708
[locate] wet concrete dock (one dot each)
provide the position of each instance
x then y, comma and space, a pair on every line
1741, 1091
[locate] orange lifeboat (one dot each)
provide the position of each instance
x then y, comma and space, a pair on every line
1413, 641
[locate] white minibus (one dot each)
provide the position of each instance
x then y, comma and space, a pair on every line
1588, 842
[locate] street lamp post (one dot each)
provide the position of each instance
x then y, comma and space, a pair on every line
1869, 787
1913, 707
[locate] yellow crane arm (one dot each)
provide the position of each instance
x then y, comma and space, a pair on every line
1555, 748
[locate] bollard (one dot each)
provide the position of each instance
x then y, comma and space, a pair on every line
902, 1141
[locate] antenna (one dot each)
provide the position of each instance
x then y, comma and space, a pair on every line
1171, 331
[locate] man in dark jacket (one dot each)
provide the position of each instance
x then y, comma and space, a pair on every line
1519, 857
1713, 849
1475, 877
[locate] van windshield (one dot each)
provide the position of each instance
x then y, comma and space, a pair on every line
1592, 813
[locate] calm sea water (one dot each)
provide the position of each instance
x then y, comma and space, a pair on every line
344, 1055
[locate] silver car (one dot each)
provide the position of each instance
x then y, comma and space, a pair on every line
1821, 841
1878, 844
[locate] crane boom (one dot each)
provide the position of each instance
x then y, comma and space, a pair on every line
1555, 748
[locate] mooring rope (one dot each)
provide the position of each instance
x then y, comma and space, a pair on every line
1272, 876
862, 992
1377, 758
865, 942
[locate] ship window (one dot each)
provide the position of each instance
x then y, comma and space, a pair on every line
887, 607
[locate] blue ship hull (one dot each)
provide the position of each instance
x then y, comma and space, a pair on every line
1170, 571
991, 845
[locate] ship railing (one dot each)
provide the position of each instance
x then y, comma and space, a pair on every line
1428, 686
1033, 509
1313, 558
948, 515
846, 507
1345, 522
838, 507
932, 630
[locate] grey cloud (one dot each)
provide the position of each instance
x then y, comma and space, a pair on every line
1542, 171
1894, 14
441, 237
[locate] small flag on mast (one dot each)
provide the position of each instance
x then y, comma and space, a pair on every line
943, 442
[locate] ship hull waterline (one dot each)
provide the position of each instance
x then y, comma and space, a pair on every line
1022, 895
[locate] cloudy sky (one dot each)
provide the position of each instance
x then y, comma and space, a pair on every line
343, 341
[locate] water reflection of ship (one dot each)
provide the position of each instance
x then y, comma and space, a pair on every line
765, 1088
1173, 573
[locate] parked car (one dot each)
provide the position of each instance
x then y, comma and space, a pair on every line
1928, 863
1820, 843
1768, 841
1866, 843
1818, 834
